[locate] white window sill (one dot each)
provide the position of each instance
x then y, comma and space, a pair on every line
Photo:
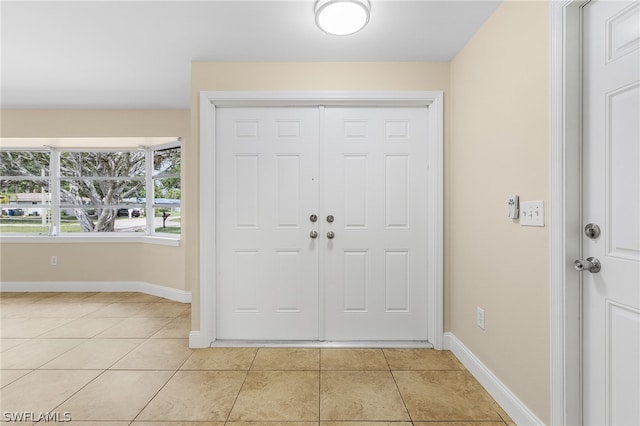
75, 239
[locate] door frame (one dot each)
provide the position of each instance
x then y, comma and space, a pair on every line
565, 191
210, 100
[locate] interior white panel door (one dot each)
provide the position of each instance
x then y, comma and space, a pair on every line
267, 188
374, 184
611, 199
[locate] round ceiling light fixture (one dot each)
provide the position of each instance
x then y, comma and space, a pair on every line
342, 17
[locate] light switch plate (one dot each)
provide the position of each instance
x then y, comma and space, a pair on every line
514, 206
532, 213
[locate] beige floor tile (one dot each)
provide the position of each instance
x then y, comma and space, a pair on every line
195, 396
278, 396
360, 395
71, 296
115, 395
82, 328
14, 310
124, 296
353, 359
44, 390
6, 344
35, 353
365, 423
23, 297
163, 423
445, 396
287, 359
162, 309
156, 354
230, 423
422, 359
459, 423
10, 376
94, 354
135, 328
60, 309
176, 329
81, 423
29, 327
121, 310
220, 359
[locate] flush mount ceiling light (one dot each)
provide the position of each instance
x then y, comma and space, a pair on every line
342, 17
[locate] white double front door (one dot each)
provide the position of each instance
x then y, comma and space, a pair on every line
321, 223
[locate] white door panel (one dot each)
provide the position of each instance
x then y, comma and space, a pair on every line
374, 174
611, 199
267, 189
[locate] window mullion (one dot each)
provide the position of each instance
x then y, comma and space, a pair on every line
54, 190
149, 199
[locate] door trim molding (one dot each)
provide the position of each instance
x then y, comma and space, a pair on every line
210, 100
565, 200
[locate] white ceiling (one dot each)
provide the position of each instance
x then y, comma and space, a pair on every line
138, 54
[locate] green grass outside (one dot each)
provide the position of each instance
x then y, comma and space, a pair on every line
38, 229
169, 230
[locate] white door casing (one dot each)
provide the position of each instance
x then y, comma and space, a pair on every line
611, 199
566, 225
210, 101
370, 233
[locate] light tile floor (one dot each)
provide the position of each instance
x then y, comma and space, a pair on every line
112, 359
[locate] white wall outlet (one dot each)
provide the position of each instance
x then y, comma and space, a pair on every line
532, 213
54, 260
480, 317
514, 206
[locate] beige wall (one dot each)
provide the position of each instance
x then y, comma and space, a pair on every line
283, 76
499, 146
162, 265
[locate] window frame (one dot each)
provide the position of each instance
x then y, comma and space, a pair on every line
55, 205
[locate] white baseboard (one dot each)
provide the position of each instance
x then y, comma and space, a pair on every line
197, 340
513, 406
99, 286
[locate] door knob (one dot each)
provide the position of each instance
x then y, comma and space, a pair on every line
313, 234
330, 235
591, 264
313, 218
330, 218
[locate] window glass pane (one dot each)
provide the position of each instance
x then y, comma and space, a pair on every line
101, 192
167, 220
24, 202
102, 164
24, 163
102, 220
27, 192
167, 191
166, 162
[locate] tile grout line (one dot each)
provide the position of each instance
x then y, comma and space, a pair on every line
398, 387
165, 383
320, 351
241, 386
80, 389
161, 387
